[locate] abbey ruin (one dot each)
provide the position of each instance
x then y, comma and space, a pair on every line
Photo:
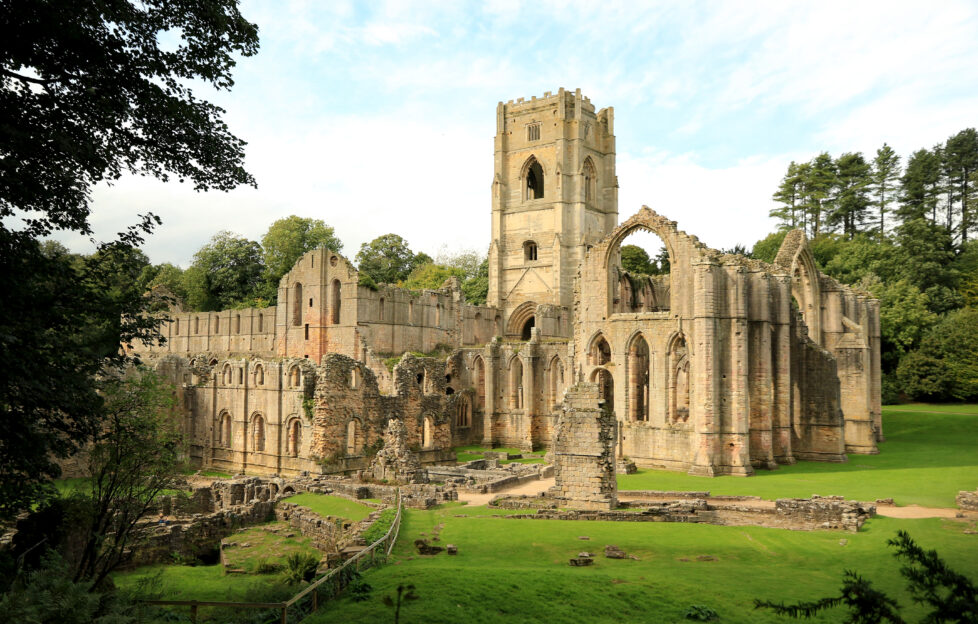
723, 366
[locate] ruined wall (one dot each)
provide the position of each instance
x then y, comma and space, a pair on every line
584, 452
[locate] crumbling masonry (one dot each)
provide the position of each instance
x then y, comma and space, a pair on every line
724, 365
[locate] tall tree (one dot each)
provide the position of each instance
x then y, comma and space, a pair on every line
885, 177
961, 156
852, 200
387, 259
90, 90
789, 195
287, 239
226, 273
818, 183
920, 187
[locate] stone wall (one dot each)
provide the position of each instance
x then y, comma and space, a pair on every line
584, 451
967, 500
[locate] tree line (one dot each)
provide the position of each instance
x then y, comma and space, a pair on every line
231, 271
906, 235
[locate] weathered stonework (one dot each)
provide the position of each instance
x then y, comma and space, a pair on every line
395, 463
967, 500
723, 366
584, 451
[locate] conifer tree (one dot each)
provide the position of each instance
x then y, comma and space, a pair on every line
885, 177
819, 181
789, 195
920, 187
852, 200
961, 156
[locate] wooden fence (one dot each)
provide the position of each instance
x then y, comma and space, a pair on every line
325, 587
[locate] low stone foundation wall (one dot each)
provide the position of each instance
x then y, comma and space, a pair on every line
967, 500
199, 535
830, 513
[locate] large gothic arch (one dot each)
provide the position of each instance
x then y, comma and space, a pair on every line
796, 256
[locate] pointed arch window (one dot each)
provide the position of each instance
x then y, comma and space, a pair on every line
590, 180
297, 304
533, 179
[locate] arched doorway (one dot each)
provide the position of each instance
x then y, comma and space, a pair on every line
638, 380
606, 387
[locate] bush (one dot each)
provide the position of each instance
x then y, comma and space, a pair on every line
300, 567
700, 613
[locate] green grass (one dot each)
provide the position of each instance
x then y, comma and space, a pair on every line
180, 582
516, 571
475, 451
929, 455
326, 505
268, 545
214, 474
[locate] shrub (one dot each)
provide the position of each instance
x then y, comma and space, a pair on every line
300, 567
700, 613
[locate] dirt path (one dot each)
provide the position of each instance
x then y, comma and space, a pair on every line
530, 487
914, 512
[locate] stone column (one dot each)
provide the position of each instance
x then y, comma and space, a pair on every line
530, 355
705, 390
761, 378
781, 370
491, 357
735, 424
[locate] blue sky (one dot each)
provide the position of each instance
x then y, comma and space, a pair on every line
379, 117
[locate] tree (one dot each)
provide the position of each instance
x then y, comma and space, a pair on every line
287, 239
165, 275
226, 272
135, 456
951, 597
961, 156
468, 261
88, 91
789, 195
852, 200
818, 181
61, 324
884, 179
387, 259
430, 276
767, 248
476, 288
636, 260
920, 187
953, 342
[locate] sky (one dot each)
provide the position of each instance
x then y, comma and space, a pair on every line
379, 117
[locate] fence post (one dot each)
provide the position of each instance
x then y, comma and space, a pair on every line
193, 612
315, 599
285, 614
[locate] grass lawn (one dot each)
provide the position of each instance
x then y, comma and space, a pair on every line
930, 453
268, 545
326, 505
516, 570
181, 582
475, 451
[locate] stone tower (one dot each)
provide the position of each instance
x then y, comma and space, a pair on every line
554, 194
